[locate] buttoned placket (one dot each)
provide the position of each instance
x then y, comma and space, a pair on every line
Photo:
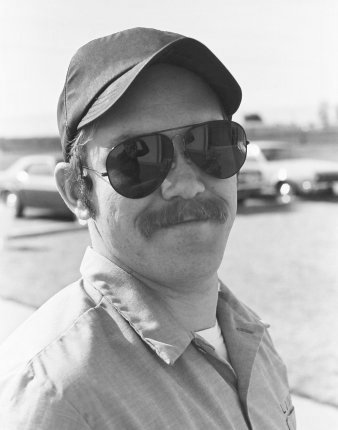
222, 367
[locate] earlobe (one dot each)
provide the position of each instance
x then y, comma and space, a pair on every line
61, 177
70, 193
82, 211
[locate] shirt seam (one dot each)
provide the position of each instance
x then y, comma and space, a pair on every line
30, 362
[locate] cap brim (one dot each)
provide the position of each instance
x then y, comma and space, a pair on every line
187, 53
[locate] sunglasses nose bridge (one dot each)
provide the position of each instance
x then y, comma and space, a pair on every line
177, 139
183, 180
179, 144
181, 160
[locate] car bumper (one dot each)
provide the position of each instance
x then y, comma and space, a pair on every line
313, 187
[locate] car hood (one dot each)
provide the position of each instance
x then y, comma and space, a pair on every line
304, 166
3, 176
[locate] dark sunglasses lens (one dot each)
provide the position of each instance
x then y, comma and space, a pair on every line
137, 167
217, 148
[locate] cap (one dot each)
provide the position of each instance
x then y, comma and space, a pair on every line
101, 71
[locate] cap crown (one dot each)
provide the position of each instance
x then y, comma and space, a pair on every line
102, 70
97, 64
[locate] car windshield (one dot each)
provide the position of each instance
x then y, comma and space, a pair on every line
275, 153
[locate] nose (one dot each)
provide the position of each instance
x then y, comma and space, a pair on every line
183, 179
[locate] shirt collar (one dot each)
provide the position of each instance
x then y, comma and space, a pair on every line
145, 311
149, 315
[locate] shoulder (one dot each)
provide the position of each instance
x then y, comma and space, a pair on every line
47, 356
36, 405
46, 326
65, 341
73, 342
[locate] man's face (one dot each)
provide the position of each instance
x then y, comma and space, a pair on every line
164, 97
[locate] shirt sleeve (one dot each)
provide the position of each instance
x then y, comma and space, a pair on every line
27, 403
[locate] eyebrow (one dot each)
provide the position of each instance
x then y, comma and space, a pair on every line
119, 139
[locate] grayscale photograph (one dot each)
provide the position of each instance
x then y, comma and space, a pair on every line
168, 215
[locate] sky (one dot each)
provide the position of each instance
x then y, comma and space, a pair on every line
282, 52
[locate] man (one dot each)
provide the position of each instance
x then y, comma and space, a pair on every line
149, 338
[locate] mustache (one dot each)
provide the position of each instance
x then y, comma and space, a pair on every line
179, 211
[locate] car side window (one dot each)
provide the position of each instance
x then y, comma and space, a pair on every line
40, 169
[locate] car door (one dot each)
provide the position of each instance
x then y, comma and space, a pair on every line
39, 188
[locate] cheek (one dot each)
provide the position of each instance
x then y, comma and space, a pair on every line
106, 203
231, 190
117, 216
225, 188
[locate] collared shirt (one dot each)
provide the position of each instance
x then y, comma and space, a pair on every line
106, 353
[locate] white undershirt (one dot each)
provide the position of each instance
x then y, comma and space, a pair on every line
214, 336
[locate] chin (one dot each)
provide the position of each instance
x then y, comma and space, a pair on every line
197, 265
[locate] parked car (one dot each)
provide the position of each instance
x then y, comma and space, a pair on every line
305, 176
29, 182
258, 178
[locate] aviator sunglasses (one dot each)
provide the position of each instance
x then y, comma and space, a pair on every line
137, 166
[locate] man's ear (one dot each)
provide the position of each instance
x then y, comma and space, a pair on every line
69, 192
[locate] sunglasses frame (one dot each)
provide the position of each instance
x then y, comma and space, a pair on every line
160, 132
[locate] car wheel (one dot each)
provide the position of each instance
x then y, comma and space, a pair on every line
14, 202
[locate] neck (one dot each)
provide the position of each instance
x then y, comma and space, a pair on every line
192, 303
